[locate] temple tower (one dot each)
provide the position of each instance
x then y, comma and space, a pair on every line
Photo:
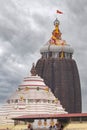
59, 71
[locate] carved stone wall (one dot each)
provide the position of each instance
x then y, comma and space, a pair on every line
61, 75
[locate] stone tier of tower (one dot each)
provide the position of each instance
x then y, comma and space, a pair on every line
60, 72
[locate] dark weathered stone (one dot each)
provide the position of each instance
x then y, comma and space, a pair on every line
61, 75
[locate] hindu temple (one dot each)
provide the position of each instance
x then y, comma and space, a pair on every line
59, 71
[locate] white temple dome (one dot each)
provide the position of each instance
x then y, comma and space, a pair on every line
32, 81
33, 87
32, 97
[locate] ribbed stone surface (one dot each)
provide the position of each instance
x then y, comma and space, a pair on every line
63, 78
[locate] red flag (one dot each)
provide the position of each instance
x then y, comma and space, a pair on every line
59, 12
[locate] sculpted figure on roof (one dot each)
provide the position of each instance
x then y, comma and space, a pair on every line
56, 34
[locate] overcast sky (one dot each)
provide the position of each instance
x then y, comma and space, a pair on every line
26, 25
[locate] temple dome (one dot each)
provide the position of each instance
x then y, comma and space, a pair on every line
33, 87
32, 81
32, 97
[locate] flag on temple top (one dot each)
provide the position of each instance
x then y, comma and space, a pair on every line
59, 12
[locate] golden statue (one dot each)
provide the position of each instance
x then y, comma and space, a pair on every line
56, 34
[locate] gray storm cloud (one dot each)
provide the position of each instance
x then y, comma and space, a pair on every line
25, 26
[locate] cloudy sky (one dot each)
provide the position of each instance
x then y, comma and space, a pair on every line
26, 25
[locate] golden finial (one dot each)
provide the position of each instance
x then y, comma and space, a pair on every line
56, 23
33, 70
56, 34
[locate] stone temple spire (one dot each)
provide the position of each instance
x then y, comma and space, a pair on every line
59, 70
